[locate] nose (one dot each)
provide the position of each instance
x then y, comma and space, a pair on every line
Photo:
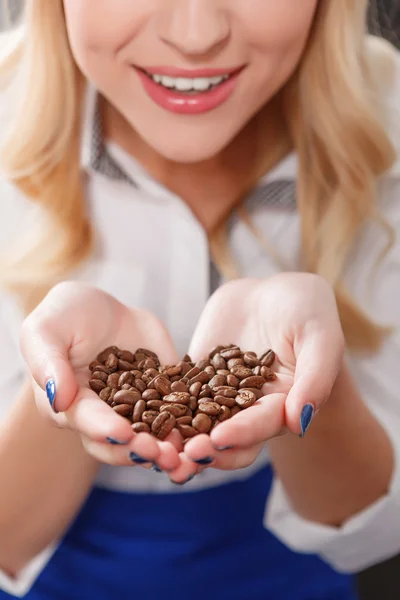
194, 27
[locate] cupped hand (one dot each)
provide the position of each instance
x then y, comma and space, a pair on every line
295, 314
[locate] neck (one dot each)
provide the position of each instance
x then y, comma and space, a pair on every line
212, 188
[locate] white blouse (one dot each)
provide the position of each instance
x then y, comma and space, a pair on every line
172, 278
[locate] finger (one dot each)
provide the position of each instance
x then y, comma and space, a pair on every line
46, 355
229, 460
169, 458
317, 367
140, 451
185, 472
262, 421
200, 450
96, 420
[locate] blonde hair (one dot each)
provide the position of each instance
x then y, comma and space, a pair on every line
332, 119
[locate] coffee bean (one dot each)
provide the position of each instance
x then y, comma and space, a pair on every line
138, 410
140, 385
136, 374
126, 377
234, 362
258, 393
235, 410
185, 367
130, 397
225, 401
178, 386
163, 425
245, 398
125, 355
192, 373
112, 363
162, 385
203, 364
257, 370
268, 358
188, 413
217, 381
225, 390
100, 375
94, 364
187, 431
174, 378
97, 385
178, 398
150, 394
224, 414
250, 359
154, 404
224, 372
216, 350
141, 428
202, 423
150, 364
253, 381
178, 410
229, 353
210, 371
184, 420
241, 372
103, 356
218, 362
192, 403
195, 389
149, 416
123, 409
267, 373
149, 375
186, 359
147, 353
105, 394
232, 381
126, 386
210, 408
124, 365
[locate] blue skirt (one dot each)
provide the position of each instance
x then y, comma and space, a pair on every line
202, 545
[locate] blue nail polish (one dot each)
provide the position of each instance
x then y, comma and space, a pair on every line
204, 461
222, 448
156, 468
186, 480
51, 392
139, 460
305, 418
115, 442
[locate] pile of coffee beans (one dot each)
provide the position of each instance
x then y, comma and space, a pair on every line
193, 398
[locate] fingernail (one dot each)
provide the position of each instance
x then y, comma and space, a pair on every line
156, 468
139, 460
305, 418
207, 460
222, 448
186, 480
115, 442
51, 392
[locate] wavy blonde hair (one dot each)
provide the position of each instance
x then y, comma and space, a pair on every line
333, 119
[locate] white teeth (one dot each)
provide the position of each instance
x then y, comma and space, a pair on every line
186, 84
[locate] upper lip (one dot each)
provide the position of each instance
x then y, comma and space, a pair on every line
191, 73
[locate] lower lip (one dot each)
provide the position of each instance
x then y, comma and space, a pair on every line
185, 104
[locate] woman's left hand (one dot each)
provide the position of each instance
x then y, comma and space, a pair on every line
294, 314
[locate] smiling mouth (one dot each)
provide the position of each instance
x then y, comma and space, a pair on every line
188, 85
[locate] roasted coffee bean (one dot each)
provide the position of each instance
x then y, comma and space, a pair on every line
195, 389
149, 415
154, 404
148, 353
103, 356
232, 381
225, 390
138, 410
187, 431
188, 413
163, 425
234, 362
141, 428
217, 381
112, 363
257, 370
241, 372
140, 385
224, 372
149, 374
162, 385
124, 365
210, 408
186, 359
105, 394
218, 362
210, 371
255, 381
184, 420
174, 378
185, 368
100, 375
201, 377
245, 398
126, 397
250, 359
125, 355
268, 358
206, 388
150, 364
150, 394
126, 386
235, 410
97, 385
193, 403
267, 373
177, 398
178, 410
94, 364
258, 393
123, 409
225, 401
224, 414
203, 364
178, 386
126, 377
137, 374
216, 350
229, 353
202, 423
192, 373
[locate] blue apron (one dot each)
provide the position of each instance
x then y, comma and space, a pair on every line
201, 545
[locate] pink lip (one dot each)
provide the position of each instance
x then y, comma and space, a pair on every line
189, 104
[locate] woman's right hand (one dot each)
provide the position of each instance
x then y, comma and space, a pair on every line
60, 338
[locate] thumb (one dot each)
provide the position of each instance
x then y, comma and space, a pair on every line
317, 367
46, 355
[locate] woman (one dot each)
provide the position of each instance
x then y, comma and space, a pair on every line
142, 136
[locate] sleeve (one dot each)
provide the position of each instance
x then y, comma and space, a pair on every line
373, 535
